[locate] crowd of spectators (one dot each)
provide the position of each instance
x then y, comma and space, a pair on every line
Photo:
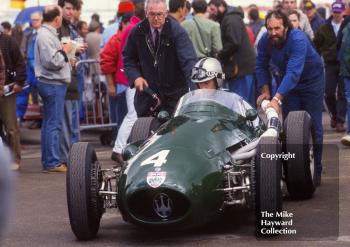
296, 56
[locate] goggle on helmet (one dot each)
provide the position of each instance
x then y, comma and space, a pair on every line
206, 69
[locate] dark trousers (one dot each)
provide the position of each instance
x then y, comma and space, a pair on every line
309, 98
8, 117
335, 84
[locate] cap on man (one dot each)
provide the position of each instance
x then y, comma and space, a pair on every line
314, 18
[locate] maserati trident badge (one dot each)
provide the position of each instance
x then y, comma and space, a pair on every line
162, 205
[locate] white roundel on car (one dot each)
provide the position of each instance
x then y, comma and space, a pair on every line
156, 179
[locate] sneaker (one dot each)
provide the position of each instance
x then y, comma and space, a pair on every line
58, 168
340, 127
345, 140
333, 123
117, 157
15, 167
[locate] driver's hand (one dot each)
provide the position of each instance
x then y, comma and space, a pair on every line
140, 83
262, 97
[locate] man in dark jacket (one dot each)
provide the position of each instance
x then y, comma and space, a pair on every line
237, 54
15, 73
70, 126
160, 55
325, 42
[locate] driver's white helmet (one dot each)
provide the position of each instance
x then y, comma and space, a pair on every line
206, 69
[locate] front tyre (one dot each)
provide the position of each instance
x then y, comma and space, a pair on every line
268, 195
301, 170
85, 206
143, 128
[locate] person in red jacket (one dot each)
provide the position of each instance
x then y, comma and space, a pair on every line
117, 83
250, 34
108, 66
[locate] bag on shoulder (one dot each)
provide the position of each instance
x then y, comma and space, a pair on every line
208, 51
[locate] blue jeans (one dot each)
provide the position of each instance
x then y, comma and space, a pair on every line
22, 102
118, 110
310, 99
80, 77
70, 133
244, 87
347, 95
53, 105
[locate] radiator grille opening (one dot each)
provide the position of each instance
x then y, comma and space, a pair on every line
158, 205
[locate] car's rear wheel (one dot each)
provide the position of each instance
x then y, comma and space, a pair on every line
85, 205
143, 128
300, 170
268, 195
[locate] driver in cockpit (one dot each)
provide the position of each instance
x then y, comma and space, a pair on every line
207, 74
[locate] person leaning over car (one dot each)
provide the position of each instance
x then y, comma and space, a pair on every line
15, 72
160, 55
53, 71
303, 84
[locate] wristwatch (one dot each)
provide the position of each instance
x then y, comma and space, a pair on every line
278, 100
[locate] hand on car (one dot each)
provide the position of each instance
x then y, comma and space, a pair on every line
265, 94
262, 97
274, 104
140, 83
